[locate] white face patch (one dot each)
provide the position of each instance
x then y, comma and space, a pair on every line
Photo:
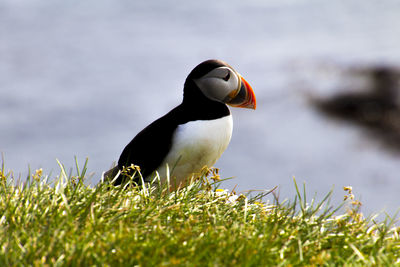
218, 83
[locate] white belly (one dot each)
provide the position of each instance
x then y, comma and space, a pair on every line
196, 144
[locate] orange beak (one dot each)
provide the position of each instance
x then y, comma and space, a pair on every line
243, 97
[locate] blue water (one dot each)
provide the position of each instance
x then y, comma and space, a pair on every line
81, 78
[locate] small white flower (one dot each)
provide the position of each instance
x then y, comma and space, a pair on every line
232, 199
221, 192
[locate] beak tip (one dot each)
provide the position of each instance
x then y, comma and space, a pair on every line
246, 98
251, 101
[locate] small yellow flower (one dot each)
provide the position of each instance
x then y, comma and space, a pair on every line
135, 167
259, 204
37, 175
2, 176
132, 167
350, 196
349, 189
215, 178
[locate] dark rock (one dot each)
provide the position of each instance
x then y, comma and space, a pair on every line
376, 107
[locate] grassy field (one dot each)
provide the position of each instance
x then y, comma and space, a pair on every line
67, 222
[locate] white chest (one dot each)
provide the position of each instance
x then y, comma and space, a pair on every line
196, 144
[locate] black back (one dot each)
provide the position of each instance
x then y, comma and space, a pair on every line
150, 146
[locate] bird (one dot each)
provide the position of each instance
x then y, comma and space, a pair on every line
192, 135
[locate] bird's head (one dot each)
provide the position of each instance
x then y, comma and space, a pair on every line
218, 81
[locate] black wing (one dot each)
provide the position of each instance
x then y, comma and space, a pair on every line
149, 147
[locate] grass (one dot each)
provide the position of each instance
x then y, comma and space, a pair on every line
66, 222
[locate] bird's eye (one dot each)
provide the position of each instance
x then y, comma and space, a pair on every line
226, 78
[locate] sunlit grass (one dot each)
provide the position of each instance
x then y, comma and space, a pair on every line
64, 221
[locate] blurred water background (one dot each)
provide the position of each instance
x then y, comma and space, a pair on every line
81, 78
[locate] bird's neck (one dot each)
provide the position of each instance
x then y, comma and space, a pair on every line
204, 110
199, 107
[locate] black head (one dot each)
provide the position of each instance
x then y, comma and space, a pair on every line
216, 81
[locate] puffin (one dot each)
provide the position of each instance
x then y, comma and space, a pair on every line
192, 135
